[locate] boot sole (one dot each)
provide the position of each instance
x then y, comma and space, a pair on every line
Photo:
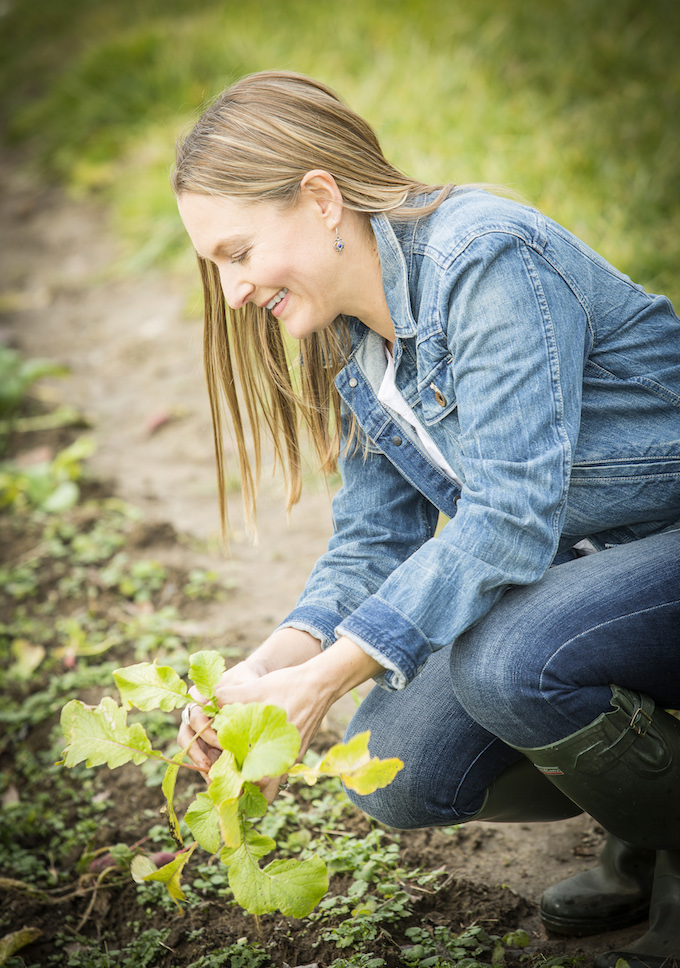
582, 927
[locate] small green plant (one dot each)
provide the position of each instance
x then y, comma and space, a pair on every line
49, 485
257, 741
18, 375
239, 955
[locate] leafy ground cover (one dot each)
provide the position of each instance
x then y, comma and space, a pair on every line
79, 597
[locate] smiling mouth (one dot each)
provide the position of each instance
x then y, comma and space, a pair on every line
275, 300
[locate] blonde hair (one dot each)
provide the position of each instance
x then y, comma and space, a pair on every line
256, 141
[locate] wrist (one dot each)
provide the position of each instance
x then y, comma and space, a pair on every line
340, 668
284, 648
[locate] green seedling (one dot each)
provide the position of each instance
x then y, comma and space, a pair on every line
50, 485
257, 742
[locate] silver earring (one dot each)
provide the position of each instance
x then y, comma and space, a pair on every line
338, 245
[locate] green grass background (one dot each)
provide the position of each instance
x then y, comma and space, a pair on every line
574, 104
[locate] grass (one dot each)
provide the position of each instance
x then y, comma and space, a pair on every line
573, 105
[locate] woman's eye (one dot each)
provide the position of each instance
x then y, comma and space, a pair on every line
240, 256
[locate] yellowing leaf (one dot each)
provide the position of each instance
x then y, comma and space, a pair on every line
100, 734
310, 774
170, 875
230, 822
11, 943
140, 867
373, 775
201, 819
353, 763
168, 787
27, 658
346, 757
147, 685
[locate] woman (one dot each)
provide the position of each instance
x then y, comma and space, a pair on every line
459, 353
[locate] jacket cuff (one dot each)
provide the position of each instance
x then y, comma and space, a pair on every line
390, 638
318, 621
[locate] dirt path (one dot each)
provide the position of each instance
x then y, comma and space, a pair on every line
134, 358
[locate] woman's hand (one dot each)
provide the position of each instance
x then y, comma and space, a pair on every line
306, 691
283, 649
206, 749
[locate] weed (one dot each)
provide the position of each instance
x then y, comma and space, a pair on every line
367, 920
204, 585
144, 951
239, 955
17, 376
358, 960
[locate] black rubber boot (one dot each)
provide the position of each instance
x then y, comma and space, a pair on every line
612, 895
521, 795
623, 769
660, 946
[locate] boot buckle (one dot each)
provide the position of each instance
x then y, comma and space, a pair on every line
635, 723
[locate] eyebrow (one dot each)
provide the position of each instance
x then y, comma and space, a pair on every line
227, 246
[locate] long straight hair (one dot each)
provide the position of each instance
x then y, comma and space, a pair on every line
255, 142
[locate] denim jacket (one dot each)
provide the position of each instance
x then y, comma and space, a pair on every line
551, 385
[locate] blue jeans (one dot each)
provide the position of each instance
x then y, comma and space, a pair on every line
534, 670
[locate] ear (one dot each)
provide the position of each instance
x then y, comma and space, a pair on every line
320, 189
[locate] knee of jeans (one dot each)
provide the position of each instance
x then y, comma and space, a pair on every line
492, 680
413, 799
387, 808
397, 805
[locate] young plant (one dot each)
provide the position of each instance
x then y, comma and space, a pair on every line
257, 741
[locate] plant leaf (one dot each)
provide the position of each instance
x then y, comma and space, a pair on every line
141, 866
205, 671
17, 940
298, 885
171, 873
230, 822
252, 803
291, 886
147, 685
346, 757
100, 734
168, 788
263, 742
202, 820
225, 778
373, 775
254, 846
353, 763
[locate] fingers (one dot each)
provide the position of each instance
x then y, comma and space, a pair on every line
206, 749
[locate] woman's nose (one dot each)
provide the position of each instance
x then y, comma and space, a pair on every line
237, 290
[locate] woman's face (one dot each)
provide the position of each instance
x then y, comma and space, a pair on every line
279, 258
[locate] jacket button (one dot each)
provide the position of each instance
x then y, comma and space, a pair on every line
396, 441
353, 382
440, 398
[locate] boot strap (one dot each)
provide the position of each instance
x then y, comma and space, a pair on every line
630, 722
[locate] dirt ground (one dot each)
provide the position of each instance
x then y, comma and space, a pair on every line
133, 352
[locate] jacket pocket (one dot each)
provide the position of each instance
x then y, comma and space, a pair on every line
437, 392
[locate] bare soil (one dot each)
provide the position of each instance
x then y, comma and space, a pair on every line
133, 353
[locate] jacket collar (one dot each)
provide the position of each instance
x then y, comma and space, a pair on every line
394, 273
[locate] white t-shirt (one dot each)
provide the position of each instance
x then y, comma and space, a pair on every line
389, 395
